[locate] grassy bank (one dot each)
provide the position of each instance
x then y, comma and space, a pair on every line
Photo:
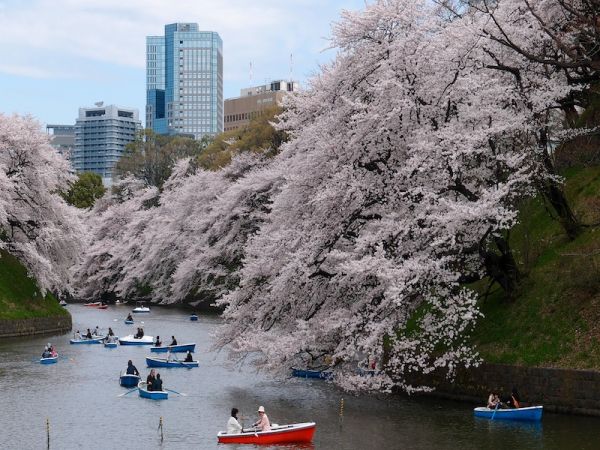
555, 319
20, 298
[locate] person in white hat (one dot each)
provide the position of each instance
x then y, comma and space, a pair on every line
263, 422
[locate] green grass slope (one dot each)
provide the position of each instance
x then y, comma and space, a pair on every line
555, 319
20, 297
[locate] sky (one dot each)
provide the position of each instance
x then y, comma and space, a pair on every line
59, 55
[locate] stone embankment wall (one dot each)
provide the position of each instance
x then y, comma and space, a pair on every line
35, 325
558, 390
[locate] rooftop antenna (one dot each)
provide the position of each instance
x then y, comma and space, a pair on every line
250, 73
99, 104
291, 67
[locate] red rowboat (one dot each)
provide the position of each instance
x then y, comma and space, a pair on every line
279, 434
93, 304
102, 306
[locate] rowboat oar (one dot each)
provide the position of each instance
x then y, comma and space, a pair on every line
495, 409
175, 392
128, 392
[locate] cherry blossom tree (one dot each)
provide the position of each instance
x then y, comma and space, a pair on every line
408, 157
37, 226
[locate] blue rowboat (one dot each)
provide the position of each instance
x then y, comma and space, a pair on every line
163, 362
182, 348
130, 340
533, 413
307, 373
129, 380
110, 344
96, 340
51, 360
154, 395
194, 318
129, 322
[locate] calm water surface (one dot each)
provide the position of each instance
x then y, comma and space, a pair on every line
79, 395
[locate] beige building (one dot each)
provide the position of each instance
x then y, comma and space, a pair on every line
252, 101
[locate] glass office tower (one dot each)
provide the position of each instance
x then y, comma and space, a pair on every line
184, 81
101, 134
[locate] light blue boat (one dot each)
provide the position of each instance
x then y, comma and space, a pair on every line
531, 413
97, 340
163, 362
181, 348
194, 318
128, 322
50, 360
130, 340
153, 395
309, 373
129, 380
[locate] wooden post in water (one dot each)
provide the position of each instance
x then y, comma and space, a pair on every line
160, 427
48, 431
341, 412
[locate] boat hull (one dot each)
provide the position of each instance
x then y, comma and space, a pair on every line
129, 380
160, 362
182, 348
93, 304
86, 341
130, 340
283, 434
129, 322
140, 310
194, 318
51, 360
152, 395
531, 413
305, 373
110, 344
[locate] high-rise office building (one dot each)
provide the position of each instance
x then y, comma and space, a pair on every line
252, 101
101, 134
184, 81
62, 138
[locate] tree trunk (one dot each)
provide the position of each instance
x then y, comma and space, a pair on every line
555, 195
501, 266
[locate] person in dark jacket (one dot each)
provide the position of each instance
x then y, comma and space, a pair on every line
131, 369
158, 342
88, 335
157, 384
188, 357
174, 341
150, 380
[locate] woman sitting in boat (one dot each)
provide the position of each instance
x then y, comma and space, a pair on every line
46, 353
233, 426
263, 423
514, 401
188, 358
96, 331
139, 334
494, 401
131, 369
150, 380
129, 317
174, 341
52, 350
157, 384
88, 335
158, 342
77, 335
110, 332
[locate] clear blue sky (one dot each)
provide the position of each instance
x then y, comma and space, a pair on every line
58, 55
